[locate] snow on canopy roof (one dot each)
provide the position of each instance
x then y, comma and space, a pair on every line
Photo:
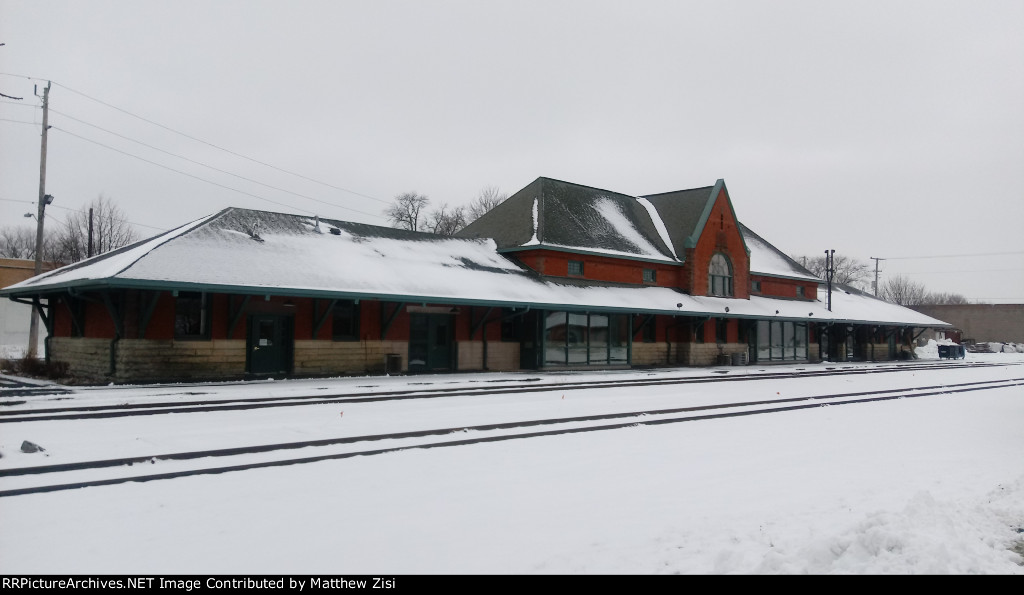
353, 260
766, 259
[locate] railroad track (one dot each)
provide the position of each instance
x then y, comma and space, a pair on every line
239, 404
166, 466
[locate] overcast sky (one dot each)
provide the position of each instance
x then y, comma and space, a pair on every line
878, 129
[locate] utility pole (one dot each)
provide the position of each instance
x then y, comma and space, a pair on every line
90, 233
44, 199
876, 272
830, 272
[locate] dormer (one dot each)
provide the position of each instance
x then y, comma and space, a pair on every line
560, 229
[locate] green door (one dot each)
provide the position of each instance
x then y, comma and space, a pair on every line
430, 343
269, 344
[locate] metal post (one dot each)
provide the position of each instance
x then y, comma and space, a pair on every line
829, 273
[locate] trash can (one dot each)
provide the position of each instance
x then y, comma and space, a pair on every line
739, 359
393, 363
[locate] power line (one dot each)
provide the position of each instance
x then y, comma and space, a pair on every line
256, 196
961, 271
199, 140
241, 177
52, 206
953, 255
19, 121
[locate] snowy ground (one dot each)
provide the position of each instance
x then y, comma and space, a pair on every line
924, 485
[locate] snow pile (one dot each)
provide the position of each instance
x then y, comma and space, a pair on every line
927, 537
931, 349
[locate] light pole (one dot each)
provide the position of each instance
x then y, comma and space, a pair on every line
33, 329
44, 199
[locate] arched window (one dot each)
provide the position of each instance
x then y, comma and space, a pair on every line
720, 275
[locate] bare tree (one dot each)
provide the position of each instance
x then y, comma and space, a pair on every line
407, 212
20, 242
17, 242
849, 271
942, 298
903, 291
488, 198
446, 221
110, 231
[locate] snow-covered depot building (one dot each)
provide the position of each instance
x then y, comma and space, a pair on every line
558, 276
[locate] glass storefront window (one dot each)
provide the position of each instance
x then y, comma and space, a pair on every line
582, 339
777, 352
598, 339
763, 338
576, 338
554, 338
781, 340
801, 340
618, 338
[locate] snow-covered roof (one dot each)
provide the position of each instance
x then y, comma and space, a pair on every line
766, 259
577, 218
256, 252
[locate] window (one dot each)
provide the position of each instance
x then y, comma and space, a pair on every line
755, 286
720, 275
650, 276
799, 291
576, 268
781, 340
192, 316
345, 324
586, 339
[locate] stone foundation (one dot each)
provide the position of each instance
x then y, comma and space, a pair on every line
317, 358
707, 354
501, 356
88, 359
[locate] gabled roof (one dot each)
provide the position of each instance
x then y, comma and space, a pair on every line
768, 260
257, 252
555, 214
686, 212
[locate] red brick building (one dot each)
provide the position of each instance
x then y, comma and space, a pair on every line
558, 276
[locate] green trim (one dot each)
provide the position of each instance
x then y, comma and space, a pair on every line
476, 326
114, 315
236, 316
691, 242
555, 248
648, 318
47, 318
391, 320
320, 319
814, 280
147, 314
262, 291
79, 325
